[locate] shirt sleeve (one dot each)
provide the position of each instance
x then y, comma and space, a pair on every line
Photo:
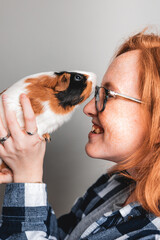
26, 213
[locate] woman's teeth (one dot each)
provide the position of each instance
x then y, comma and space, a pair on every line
96, 129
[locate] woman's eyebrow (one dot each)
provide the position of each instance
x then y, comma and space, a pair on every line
110, 86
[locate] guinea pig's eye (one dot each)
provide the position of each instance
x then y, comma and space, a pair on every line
78, 77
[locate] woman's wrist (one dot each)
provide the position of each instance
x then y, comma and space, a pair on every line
28, 178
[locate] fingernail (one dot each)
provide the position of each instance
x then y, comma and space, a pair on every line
23, 95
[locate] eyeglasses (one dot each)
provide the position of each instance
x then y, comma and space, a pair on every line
102, 94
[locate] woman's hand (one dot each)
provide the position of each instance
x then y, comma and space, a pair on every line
23, 153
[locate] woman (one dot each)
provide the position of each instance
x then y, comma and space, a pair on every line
123, 203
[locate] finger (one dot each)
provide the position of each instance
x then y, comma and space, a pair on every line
11, 119
3, 134
3, 148
3, 130
29, 115
6, 176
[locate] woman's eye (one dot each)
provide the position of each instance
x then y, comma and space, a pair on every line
78, 77
110, 96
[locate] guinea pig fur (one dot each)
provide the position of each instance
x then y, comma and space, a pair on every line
53, 96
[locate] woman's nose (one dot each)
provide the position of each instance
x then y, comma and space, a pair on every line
90, 108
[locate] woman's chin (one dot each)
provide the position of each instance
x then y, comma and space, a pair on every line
91, 151
94, 151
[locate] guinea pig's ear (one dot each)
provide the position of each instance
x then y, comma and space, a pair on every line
63, 82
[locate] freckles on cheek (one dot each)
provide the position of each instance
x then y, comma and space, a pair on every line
119, 129
117, 123
118, 134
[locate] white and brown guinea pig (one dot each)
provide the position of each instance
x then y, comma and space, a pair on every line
53, 95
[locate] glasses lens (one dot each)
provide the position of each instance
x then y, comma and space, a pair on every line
100, 99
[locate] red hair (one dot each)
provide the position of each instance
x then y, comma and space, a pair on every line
146, 160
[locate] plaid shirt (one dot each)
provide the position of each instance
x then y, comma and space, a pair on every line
26, 214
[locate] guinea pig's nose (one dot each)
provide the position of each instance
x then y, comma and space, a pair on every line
93, 79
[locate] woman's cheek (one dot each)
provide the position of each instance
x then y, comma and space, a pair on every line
119, 129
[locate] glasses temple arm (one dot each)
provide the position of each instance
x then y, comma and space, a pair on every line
114, 94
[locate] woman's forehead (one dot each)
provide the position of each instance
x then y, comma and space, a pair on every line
123, 72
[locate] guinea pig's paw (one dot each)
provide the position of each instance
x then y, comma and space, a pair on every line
6, 176
47, 137
2, 165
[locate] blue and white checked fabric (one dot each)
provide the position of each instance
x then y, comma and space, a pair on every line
26, 214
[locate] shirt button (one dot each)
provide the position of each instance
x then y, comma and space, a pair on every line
130, 217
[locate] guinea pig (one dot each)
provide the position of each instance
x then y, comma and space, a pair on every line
53, 96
